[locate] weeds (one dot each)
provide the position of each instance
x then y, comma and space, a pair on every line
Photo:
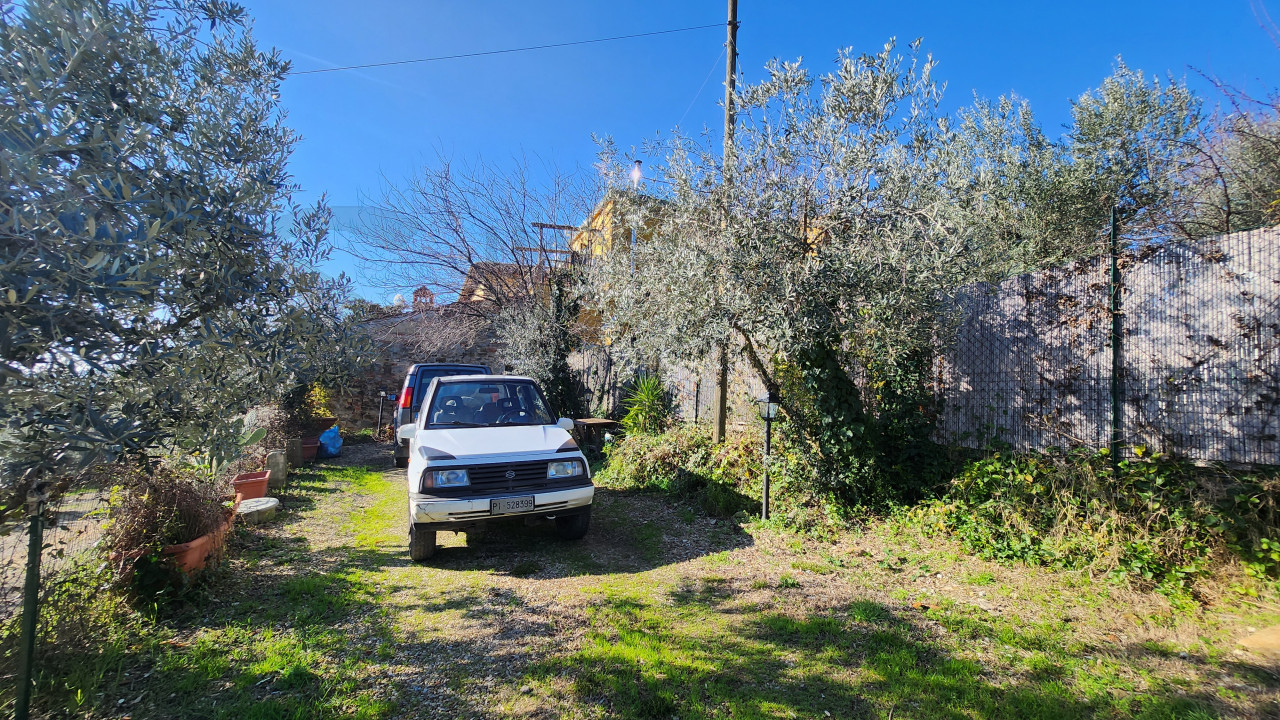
685, 463
1158, 523
363, 436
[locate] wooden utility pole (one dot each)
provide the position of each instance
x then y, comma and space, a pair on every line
720, 405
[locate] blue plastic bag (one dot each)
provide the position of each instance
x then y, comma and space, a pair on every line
330, 443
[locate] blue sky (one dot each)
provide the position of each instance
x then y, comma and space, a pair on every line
359, 127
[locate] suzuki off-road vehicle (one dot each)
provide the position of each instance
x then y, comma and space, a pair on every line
486, 447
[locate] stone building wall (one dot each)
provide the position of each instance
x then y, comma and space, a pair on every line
442, 334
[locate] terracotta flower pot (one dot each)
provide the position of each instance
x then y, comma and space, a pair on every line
219, 536
189, 556
319, 425
310, 446
251, 485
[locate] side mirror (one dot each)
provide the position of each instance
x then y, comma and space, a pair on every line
407, 431
565, 424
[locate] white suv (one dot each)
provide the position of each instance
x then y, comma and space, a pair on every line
484, 447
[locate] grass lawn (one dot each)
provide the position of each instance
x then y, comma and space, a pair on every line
659, 613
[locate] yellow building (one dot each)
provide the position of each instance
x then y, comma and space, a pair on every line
609, 226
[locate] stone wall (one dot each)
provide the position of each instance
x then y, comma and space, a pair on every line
444, 334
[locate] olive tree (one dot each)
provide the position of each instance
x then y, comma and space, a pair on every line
1036, 201
826, 244
154, 277
1237, 176
821, 247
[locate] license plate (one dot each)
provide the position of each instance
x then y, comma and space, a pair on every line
503, 506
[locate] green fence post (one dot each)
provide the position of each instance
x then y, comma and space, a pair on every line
1117, 351
30, 604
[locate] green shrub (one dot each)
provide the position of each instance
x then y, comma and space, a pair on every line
648, 407
1159, 522
728, 478
685, 463
864, 443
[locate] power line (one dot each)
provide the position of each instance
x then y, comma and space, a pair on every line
508, 50
702, 87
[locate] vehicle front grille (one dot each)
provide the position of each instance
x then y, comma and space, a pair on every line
492, 479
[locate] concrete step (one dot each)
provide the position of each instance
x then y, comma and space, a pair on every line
258, 510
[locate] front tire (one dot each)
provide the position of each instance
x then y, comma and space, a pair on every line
402, 462
422, 543
573, 527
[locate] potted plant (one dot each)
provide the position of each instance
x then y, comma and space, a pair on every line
305, 415
165, 525
318, 425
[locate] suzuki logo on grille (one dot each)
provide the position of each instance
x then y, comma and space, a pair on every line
510, 474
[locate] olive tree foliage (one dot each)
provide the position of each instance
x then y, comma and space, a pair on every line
1145, 146
466, 232
1237, 179
540, 332
832, 208
155, 279
824, 242
1036, 201
824, 248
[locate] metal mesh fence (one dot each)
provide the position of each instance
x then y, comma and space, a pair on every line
71, 525
1031, 362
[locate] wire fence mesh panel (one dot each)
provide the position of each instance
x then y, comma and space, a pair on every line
1030, 364
1202, 348
13, 565
72, 523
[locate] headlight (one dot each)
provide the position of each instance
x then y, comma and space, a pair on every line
567, 468
450, 478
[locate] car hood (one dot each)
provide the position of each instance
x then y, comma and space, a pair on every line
493, 442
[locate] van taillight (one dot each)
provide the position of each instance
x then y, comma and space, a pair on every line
406, 397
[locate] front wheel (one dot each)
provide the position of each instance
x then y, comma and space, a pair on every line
402, 462
422, 543
574, 526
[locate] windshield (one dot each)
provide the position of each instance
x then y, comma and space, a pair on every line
488, 403
424, 376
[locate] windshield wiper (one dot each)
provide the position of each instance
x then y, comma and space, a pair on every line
459, 423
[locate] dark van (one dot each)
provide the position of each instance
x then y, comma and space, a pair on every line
415, 386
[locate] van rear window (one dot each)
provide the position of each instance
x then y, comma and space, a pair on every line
426, 375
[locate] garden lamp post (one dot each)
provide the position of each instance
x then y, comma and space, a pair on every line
768, 411
382, 395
